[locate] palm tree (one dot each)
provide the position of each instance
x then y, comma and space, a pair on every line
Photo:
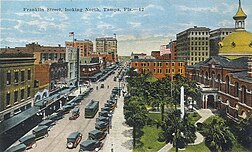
176, 131
217, 135
135, 114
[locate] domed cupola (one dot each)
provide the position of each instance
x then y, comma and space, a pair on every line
239, 18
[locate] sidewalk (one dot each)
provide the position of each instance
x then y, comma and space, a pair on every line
119, 138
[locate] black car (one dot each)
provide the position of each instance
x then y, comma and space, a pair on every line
90, 145
102, 126
17, 148
74, 139
29, 141
96, 135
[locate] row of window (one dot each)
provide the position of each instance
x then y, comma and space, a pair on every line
199, 38
199, 43
200, 33
159, 64
166, 70
197, 59
16, 94
16, 76
199, 48
199, 53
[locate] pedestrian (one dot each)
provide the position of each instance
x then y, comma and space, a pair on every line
112, 149
96, 87
108, 86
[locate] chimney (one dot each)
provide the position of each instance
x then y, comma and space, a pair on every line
250, 67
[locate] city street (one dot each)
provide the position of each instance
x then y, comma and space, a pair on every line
56, 141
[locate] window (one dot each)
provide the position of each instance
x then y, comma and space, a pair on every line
192, 58
148, 64
199, 54
29, 74
22, 94
15, 96
154, 70
172, 64
166, 70
172, 70
195, 53
203, 53
22, 76
8, 98
236, 90
8, 81
244, 95
192, 48
16, 77
206, 53
154, 64
191, 53
28, 91
135, 64
227, 85
199, 39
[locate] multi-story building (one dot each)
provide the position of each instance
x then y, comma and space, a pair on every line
155, 54
90, 69
16, 83
217, 36
108, 45
226, 80
85, 46
193, 45
159, 68
71, 59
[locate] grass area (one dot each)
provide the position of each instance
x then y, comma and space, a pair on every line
193, 148
193, 117
155, 116
149, 140
208, 120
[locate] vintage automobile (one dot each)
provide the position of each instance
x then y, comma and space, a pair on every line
75, 113
108, 109
29, 141
102, 126
74, 139
105, 114
67, 107
18, 148
40, 132
104, 119
96, 135
90, 145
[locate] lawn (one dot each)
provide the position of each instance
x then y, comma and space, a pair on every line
149, 140
193, 117
194, 148
155, 116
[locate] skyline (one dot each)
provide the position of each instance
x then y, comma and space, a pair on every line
143, 30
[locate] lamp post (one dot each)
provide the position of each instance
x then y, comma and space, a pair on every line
119, 94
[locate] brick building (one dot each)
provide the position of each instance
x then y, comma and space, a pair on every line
16, 83
85, 46
108, 45
159, 68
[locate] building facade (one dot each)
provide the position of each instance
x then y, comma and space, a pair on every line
108, 45
193, 45
159, 68
71, 59
85, 46
217, 36
16, 83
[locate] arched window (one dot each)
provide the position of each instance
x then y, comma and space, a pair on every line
213, 79
236, 90
244, 95
227, 85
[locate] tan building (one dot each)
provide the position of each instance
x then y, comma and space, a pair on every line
108, 45
193, 45
85, 47
16, 83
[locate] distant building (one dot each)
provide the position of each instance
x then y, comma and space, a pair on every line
71, 59
193, 45
108, 45
159, 68
85, 46
16, 83
155, 54
90, 69
217, 36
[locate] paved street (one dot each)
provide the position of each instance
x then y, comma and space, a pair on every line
56, 141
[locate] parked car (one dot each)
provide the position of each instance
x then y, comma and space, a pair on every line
46, 123
102, 126
104, 119
29, 141
40, 132
17, 148
90, 145
74, 139
96, 135
75, 113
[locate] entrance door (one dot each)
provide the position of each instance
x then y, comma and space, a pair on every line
210, 102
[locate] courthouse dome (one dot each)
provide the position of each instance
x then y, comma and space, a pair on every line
239, 43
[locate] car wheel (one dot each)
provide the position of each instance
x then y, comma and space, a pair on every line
34, 145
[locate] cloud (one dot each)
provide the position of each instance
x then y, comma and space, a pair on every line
226, 24
152, 6
197, 9
134, 24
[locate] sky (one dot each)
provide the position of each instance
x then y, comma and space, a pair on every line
149, 23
